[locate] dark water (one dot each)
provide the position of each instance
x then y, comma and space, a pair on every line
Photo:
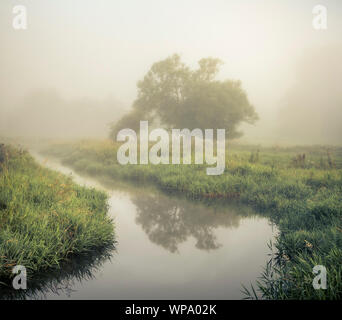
167, 248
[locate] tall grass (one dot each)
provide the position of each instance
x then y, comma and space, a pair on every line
303, 197
45, 217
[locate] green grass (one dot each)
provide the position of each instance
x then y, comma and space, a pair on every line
45, 218
302, 195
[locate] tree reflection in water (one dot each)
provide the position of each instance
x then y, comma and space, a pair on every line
169, 221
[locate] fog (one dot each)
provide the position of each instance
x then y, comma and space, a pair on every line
74, 69
311, 110
46, 114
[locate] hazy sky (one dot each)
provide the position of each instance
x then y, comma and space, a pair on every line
88, 48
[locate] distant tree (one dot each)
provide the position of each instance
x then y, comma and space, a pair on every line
174, 96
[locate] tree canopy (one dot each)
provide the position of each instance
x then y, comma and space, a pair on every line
171, 95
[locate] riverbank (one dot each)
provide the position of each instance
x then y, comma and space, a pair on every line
301, 194
45, 217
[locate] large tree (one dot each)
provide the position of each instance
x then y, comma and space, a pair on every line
171, 95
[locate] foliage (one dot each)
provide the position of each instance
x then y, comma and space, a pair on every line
174, 96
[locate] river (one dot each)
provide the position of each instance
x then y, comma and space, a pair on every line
166, 247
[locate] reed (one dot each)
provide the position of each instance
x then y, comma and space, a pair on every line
45, 217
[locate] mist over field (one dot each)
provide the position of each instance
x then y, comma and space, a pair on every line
45, 113
236, 196
311, 110
74, 70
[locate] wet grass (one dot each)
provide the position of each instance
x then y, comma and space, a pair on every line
298, 188
45, 218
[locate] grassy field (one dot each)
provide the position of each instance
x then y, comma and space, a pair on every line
298, 188
45, 218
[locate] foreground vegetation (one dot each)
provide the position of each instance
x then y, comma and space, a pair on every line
299, 188
45, 218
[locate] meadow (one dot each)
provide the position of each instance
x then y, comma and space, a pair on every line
299, 188
45, 218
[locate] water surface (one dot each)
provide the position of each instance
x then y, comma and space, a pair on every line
167, 248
